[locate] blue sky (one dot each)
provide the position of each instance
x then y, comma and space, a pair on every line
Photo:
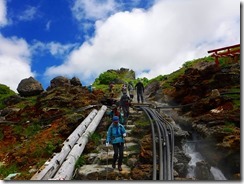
82, 38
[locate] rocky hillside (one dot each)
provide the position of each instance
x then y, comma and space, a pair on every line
34, 123
209, 97
33, 127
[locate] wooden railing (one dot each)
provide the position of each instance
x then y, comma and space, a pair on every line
230, 51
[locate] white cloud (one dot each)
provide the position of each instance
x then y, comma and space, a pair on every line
54, 48
28, 14
93, 9
14, 61
158, 40
3, 13
48, 25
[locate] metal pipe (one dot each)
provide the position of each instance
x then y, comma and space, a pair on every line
66, 170
50, 167
154, 144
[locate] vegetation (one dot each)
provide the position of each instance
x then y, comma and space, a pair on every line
27, 101
80, 162
229, 127
106, 77
63, 116
5, 92
96, 138
6, 170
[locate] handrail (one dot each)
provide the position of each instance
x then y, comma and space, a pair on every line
224, 48
223, 54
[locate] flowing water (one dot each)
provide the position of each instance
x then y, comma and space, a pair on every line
190, 149
218, 175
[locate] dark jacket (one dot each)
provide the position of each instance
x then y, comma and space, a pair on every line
124, 100
139, 87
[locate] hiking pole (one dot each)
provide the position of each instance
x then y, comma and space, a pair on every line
107, 166
125, 143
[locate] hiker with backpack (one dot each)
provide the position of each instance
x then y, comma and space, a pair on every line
124, 88
90, 88
115, 112
125, 104
140, 90
111, 89
115, 135
111, 86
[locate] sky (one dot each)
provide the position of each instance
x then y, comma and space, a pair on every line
84, 38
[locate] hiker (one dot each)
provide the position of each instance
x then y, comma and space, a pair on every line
124, 88
90, 88
115, 135
116, 112
111, 89
125, 104
131, 90
140, 90
111, 86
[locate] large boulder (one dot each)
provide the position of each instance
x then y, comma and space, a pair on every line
59, 81
29, 87
75, 81
203, 172
151, 90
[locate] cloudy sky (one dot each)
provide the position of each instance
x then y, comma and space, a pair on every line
82, 38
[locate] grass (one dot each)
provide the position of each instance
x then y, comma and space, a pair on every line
50, 147
32, 130
96, 138
80, 162
229, 127
135, 148
142, 122
29, 131
6, 170
28, 101
5, 92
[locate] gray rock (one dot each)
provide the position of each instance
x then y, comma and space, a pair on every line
29, 87
59, 81
202, 171
75, 81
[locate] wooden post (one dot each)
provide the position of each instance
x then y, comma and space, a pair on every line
225, 51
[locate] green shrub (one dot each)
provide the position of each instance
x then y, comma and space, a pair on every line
50, 147
107, 77
5, 92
